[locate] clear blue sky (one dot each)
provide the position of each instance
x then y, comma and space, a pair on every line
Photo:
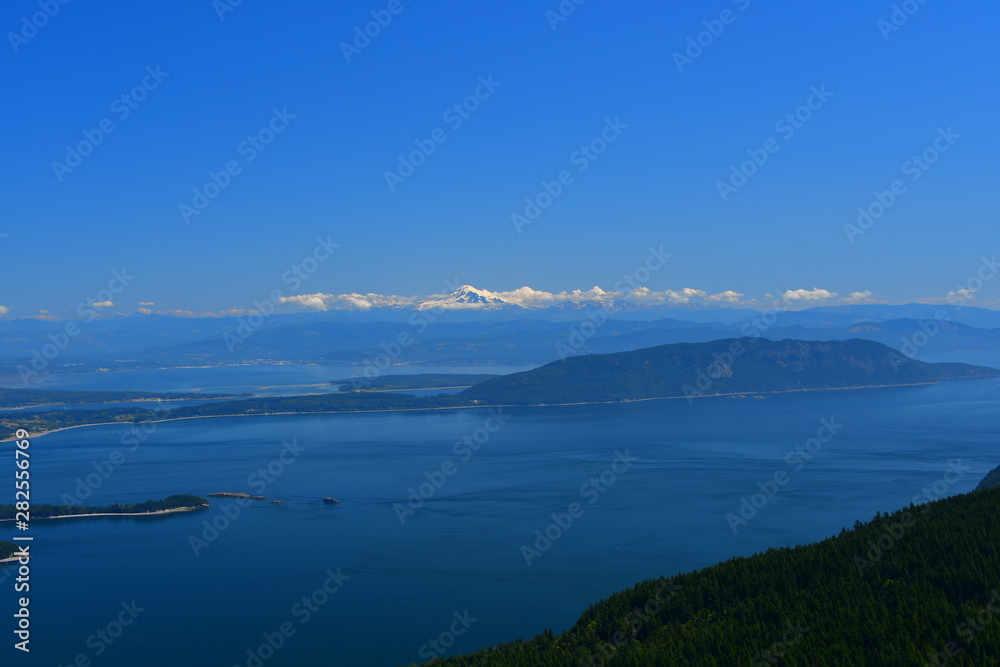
324, 173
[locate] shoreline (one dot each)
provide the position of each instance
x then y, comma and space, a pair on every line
492, 405
120, 514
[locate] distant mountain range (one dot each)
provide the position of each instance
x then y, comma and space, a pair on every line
734, 366
477, 327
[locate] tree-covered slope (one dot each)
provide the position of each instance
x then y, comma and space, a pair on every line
991, 481
719, 367
920, 586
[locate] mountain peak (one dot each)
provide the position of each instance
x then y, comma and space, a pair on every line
466, 296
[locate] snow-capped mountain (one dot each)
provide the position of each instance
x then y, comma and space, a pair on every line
467, 296
473, 298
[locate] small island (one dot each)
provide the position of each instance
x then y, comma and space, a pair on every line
7, 551
229, 494
175, 503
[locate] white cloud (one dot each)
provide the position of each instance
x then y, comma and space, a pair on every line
595, 293
729, 296
145, 311
963, 294
103, 304
353, 301
308, 301
685, 295
4, 310
146, 303
815, 294
528, 297
646, 296
859, 296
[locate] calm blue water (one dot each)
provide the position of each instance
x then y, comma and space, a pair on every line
461, 551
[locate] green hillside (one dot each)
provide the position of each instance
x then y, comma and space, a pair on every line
991, 481
721, 367
920, 586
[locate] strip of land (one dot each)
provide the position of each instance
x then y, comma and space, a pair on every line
719, 368
470, 406
175, 503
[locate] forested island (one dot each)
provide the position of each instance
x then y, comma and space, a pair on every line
732, 366
919, 586
7, 549
175, 503
722, 367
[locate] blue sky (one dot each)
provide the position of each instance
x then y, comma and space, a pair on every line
556, 85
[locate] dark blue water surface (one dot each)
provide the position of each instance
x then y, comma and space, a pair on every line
461, 551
